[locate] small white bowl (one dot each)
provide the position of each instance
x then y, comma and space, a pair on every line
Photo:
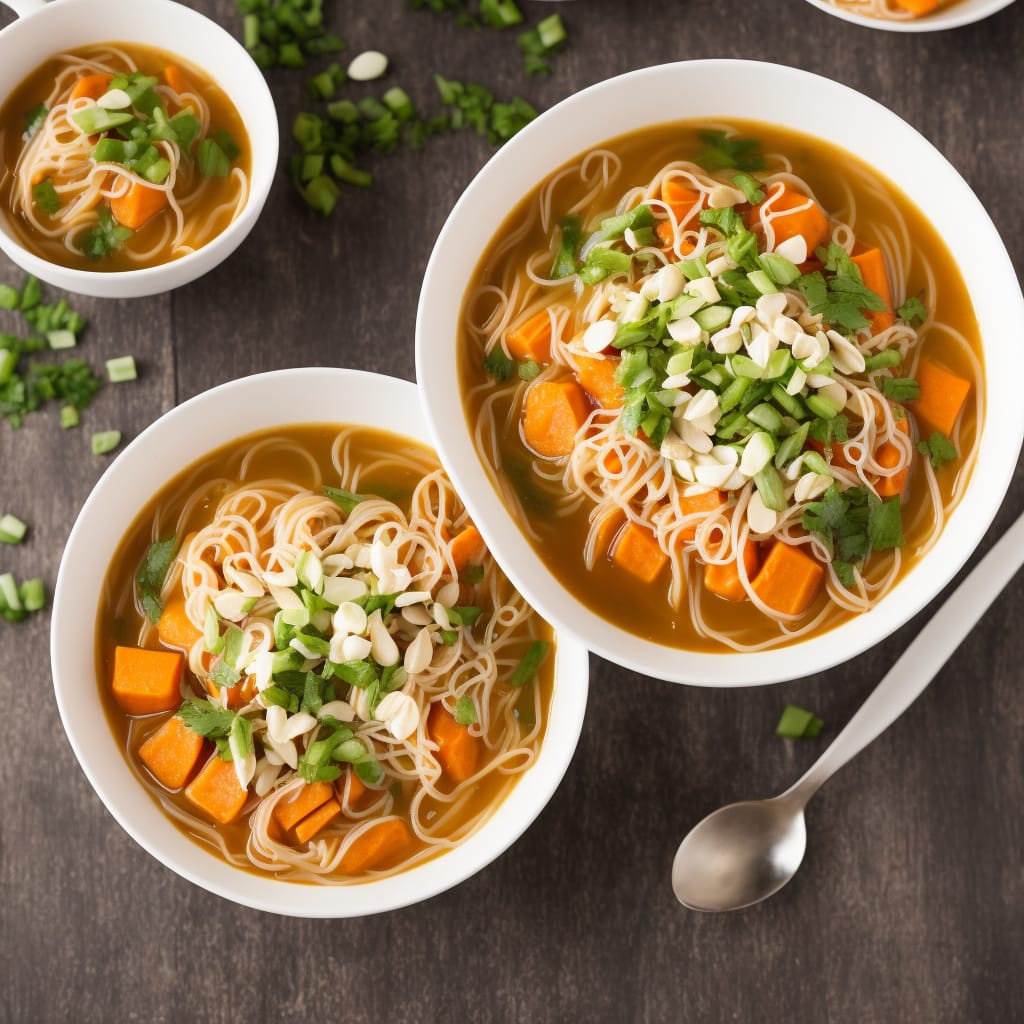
721, 90
963, 12
48, 28
172, 443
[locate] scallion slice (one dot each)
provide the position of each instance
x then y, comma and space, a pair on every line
531, 661
12, 529
96, 120
797, 723
121, 369
105, 441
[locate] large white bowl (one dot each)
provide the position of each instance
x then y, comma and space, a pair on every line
722, 90
963, 12
48, 28
172, 443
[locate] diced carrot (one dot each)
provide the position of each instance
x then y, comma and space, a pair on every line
597, 377
91, 86
683, 201
810, 222
458, 750
138, 205
216, 790
888, 455
607, 529
724, 580
381, 845
146, 682
172, 753
288, 813
667, 237
872, 271
554, 411
789, 579
467, 548
942, 397
706, 502
612, 463
358, 794
532, 339
637, 551
319, 819
918, 7
175, 628
175, 78
834, 454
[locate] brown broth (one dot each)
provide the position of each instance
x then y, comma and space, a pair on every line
605, 589
206, 213
120, 618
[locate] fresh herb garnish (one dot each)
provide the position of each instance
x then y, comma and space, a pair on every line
854, 522
465, 711
105, 238
206, 719
285, 32
842, 298
529, 664
44, 195
34, 119
911, 310
724, 152
938, 449
538, 44
900, 389
152, 573
497, 364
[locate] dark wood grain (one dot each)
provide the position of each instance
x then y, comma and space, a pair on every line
910, 906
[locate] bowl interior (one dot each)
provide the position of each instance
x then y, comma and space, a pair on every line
720, 90
67, 24
171, 444
962, 12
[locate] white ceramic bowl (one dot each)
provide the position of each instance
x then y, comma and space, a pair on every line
963, 12
171, 444
722, 90
47, 28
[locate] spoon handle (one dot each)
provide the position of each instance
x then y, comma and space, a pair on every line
921, 661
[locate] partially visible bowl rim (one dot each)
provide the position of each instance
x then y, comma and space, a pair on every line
297, 899
450, 432
952, 17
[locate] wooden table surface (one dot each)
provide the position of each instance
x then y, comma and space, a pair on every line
910, 904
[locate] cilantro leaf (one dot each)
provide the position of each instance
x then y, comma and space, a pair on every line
938, 449
911, 310
723, 151
105, 238
497, 364
206, 719
44, 195
885, 529
152, 572
900, 389
345, 500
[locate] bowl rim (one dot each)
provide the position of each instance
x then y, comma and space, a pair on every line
151, 280
955, 16
132, 806
539, 147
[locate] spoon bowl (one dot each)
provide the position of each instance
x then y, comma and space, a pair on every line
740, 854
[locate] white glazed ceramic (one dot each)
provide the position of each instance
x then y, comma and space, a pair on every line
721, 90
963, 12
172, 443
47, 28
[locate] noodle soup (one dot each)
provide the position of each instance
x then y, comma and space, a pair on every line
892, 10
120, 156
311, 661
726, 379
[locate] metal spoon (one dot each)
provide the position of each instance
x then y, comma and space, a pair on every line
745, 852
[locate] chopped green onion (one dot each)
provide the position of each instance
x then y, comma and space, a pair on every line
769, 486
822, 407
886, 359
750, 187
61, 339
34, 119
782, 271
12, 529
465, 711
105, 441
8, 362
213, 161
531, 661
68, 416
398, 102
44, 195
10, 297
762, 282
9, 592
121, 369
32, 594
212, 639
95, 120
797, 723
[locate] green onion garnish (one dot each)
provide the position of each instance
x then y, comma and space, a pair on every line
531, 661
797, 723
121, 369
12, 529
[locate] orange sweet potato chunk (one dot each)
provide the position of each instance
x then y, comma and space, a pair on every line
531, 340
175, 629
789, 579
138, 205
638, 552
809, 222
942, 397
597, 378
147, 682
217, 792
458, 750
380, 846
872, 272
554, 412
724, 579
318, 820
172, 753
287, 813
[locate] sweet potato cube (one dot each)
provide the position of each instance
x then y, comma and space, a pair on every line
638, 552
287, 813
216, 791
175, 629
724, 579
942, 397
806, 218
554, 412
531, 340
789, 579
380, 846
597, 378
458, 750
172, 753
147, 682
319, 819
